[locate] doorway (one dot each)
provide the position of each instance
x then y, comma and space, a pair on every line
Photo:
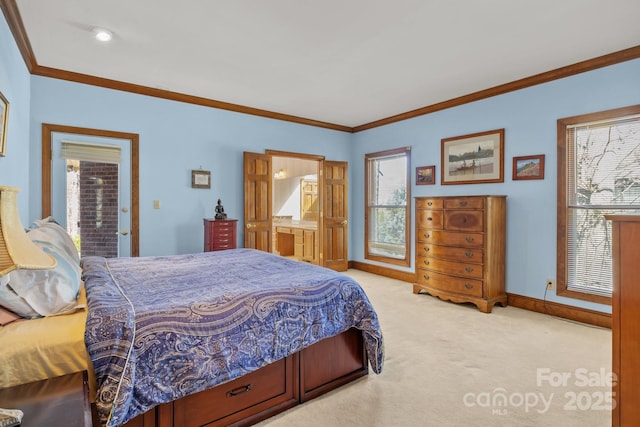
90, 186
295, 208
264, 232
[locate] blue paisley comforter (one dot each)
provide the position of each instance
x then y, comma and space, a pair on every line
160, 328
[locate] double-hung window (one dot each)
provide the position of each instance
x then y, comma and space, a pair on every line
387, 207
598, 174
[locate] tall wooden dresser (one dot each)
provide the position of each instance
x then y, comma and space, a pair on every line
625, 325
219, 234
460, 249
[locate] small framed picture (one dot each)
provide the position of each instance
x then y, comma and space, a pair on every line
528, 167
425, 175
200, 179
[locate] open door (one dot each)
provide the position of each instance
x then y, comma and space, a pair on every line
257, 201
335, 236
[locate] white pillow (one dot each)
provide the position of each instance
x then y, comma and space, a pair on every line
34, 293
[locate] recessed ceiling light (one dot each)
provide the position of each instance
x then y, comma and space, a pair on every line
102, 34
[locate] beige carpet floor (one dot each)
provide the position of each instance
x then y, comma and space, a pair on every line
451, 365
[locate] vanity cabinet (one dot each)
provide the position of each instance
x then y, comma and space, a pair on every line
297, 241
460, 249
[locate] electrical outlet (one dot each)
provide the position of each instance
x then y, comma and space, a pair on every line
551, 284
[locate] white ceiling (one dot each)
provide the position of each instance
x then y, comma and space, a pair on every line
347, 62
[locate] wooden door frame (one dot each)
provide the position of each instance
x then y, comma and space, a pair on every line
47, 150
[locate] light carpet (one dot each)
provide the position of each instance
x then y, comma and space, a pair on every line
451, 365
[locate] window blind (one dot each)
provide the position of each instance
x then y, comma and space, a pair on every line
99, 153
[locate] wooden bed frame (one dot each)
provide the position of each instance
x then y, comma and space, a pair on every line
272, 389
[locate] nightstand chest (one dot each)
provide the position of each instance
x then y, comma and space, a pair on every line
219, 234
62, 401
460, 249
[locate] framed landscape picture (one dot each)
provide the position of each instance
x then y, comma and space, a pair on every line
4, 121
528, 167
473, 159
425, 175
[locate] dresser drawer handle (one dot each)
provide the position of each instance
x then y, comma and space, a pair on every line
239, 390
463, 203
427, 235
429, 203
426, 262
429, 218
469, 239
468, 286
468, 254
426, 276
426, 249
468, 269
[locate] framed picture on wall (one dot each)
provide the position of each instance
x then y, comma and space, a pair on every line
473, 159
200, 179
4, 121
528, 167
425, 175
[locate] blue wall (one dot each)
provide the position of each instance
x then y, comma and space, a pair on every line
177, 137
529, 117
15, 86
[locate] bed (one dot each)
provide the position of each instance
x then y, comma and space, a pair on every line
215, 338
160, 329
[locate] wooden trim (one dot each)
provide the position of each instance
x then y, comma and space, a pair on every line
181, 97
303, 156
405, 276
14, 21
558, 73
48, 129
561, 205
16, 26
406, 261
577, 314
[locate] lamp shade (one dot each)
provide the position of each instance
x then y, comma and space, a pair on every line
16, 248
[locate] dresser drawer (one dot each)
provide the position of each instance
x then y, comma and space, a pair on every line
446, 283
429, 219
429, 204
450, 252
227, 228
450, 267
464, 220
464, 203
262, 388
470, 240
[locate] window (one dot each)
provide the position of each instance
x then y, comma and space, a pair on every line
387, 218
598, 174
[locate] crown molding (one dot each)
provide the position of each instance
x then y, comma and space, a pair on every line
12, 15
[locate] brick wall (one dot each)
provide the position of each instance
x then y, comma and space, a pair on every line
99, 209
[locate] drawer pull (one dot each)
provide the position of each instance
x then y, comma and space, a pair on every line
468, 254
429, 218
468, 286
429, 203
426, 249
426, 262
426, 276
468, 269
469, 239
239, 390
463, 203
427, 235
